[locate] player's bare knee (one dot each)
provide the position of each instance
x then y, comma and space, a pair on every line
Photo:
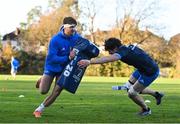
43, 92
132, 92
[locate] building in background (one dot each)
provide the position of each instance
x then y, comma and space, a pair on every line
12, 38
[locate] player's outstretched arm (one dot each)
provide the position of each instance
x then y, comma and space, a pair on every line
84, 63
105, 59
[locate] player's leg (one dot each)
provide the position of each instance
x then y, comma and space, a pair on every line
157, 95
128, 84
49, 78
140, 86
148, 80
12, 70
133, 94
13, 73
134, 91
55, 93
45, 83
133, 78
48, 101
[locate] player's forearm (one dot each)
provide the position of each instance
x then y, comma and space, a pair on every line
105, 59
100, 60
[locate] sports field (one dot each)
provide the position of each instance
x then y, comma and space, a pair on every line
94, 102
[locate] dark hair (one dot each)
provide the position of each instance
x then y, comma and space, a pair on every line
112, 43
69, 20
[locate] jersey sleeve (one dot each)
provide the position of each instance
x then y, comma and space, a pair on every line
117, 55
52, 53
122, 51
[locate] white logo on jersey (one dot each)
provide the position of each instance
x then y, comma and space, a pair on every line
63, 49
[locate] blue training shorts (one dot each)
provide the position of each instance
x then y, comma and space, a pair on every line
143, 79
51, 73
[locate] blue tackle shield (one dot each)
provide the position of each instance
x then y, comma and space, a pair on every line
72, 74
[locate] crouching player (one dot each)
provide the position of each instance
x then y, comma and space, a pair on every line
146, 70
72, 74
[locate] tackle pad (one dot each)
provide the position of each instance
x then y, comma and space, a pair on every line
72, 74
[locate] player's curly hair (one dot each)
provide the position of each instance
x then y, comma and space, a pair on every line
112, 43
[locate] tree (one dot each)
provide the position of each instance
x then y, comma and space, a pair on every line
54, 4
89, 11
34, 15
40, 32
23, 26
174, 45
0, 37
130, 15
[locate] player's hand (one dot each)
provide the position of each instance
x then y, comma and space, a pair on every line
84, 63
72, 54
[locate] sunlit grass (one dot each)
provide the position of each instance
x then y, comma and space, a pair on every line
94, 102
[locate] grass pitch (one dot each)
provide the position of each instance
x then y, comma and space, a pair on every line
94, 102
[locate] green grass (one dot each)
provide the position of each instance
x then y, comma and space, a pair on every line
94, 102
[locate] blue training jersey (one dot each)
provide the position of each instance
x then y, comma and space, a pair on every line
58, 51
138, 58
15, 63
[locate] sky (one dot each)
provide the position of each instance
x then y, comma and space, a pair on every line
13, 12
